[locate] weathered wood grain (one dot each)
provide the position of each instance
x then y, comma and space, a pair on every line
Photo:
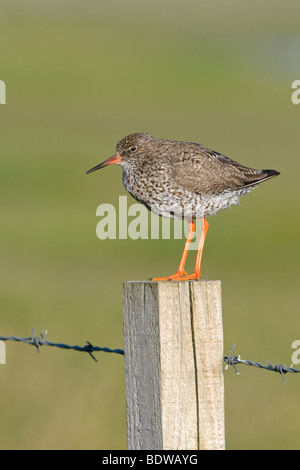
173, 341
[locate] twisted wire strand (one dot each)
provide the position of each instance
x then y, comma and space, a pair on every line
279, 368
39, 341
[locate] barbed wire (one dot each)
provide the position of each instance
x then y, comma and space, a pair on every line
39, 341
233, 361
280, 368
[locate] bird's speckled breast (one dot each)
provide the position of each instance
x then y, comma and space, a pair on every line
172, 200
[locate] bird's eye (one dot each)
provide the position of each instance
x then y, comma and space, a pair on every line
133, 149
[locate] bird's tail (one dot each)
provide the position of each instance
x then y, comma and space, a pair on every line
264, 175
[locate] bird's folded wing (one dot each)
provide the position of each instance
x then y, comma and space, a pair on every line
204, 171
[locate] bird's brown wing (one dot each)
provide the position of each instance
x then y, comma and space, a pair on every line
205, 171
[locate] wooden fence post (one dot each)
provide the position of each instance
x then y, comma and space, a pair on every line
173, 340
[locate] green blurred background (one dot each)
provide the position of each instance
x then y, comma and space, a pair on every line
81, 75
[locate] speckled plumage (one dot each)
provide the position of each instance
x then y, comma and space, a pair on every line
183, 179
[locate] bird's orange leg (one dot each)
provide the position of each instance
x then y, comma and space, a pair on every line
181, 271
197, 273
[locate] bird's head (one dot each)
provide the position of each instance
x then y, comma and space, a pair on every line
128, 150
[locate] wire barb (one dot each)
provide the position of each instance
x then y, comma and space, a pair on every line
232, 360
89, 348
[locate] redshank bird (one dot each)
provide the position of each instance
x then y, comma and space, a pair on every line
182, 180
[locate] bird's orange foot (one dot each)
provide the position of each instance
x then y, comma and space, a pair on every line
174, 277
192, 277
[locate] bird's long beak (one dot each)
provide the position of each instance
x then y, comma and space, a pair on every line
115, 159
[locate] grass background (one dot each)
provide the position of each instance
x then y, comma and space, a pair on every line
81, 75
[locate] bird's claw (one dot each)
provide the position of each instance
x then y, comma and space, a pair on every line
178, 277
